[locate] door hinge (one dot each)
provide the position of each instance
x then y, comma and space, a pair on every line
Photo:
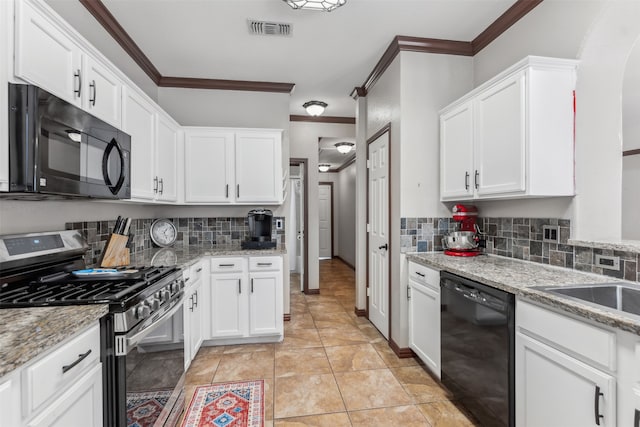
367, 291
368, 228
368, 164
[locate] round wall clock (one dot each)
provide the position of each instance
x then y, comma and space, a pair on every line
163, 233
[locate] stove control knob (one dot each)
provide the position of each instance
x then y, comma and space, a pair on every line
142, 311
174, 288
154, 303
166, 295
157, 295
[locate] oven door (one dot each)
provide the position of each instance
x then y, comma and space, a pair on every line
149, 378
77, 163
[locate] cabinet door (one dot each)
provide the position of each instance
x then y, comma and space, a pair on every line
554, 389
228, 307
195, 319
208, 167
167, 159
79, 406
258, 167
424, 325
103, 92
456, 154
138, 120
265, 303
10, 400
500, 148
45, 56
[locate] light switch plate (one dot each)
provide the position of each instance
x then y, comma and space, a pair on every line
278, 224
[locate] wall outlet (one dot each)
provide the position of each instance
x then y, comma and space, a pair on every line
608, 262
550, 233
278, 224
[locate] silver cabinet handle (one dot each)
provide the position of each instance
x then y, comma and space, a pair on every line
226, 194
264, 264
238, 190
191, 301
161, 185
80, 358
195, 301
92, 100
155, 184
408, 293
466, 180
239, 286
475, 179
199, 270
78, 76
226, 265
419, 274
251, 285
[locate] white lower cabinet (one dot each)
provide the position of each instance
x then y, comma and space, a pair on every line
61, 388
246, 299
561, 381
193, 321
423, 294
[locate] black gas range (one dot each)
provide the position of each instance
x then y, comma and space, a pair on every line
48, 269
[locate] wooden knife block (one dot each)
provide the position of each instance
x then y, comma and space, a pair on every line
116, 254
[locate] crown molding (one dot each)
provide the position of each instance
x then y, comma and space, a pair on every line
196, 83
323, 119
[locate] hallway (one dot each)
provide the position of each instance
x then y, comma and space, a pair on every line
332, 369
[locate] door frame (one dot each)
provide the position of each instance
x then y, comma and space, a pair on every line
373, 138
295, 161
331, 214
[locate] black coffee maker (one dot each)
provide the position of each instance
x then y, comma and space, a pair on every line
259, 230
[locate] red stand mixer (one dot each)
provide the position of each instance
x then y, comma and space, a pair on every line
465, 241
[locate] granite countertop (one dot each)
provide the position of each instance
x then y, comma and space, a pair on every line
518, 277
186, 256
25, 333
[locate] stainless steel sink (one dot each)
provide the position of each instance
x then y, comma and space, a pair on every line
618, 296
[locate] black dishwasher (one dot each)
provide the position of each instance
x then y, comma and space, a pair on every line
478, 348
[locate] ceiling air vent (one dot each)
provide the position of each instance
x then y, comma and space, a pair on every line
263, 28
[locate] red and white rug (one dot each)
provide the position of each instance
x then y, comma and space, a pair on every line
234, 404
144, 408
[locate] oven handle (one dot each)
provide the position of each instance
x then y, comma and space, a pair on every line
135, 339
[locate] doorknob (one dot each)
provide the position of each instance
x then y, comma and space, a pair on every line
385, 247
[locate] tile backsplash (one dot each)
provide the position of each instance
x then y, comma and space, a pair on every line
521, 238
191, 231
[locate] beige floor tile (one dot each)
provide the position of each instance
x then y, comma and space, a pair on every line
299, 361
405, 416
325, 307
269, 386
444, 414
300, 321
302, 395
332, 320
371, 333
419, 384
248, 348
339, 419
245, 366
300, 338
354, 358
390, 357
213, 349
202, 369
345, 335
371, 389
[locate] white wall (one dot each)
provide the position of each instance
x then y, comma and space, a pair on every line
304, 144
335, 206
347, 214
631, 141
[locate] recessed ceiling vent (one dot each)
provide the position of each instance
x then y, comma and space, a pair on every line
263, 28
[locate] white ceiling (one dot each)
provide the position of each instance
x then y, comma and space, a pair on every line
329, 154
326, 57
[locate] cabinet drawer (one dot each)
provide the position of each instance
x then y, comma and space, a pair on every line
584, 340
197, 270
424, 275
227, 265
53, 373
266, 263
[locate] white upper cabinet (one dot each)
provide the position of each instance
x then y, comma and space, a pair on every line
45, 56
48, 57
138, 120
511, 137
167, 142
240, 166
208, 166
103, 92
258, 166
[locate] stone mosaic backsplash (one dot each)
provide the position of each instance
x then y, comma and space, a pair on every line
521, 238
191, 231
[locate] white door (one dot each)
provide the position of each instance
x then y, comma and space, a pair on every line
265, 303
104, 92
500, 138
228, 305
424, 325
292, 235
138, 120
554, 389
456, 153
324, 217
378, 256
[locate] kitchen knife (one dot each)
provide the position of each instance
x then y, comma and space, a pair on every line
116, 227
127, 224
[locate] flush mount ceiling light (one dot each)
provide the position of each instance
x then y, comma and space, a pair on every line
344, 147
315, 108
322, 5
323, 167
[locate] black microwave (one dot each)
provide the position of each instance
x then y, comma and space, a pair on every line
58, 150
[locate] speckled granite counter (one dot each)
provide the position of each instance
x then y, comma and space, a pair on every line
28, 332
184, 257
517, 277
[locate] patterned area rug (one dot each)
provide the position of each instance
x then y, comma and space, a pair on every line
235, 404
144, 408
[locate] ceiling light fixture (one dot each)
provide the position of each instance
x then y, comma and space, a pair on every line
315, 108
322, 5
344, 147
323, 167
